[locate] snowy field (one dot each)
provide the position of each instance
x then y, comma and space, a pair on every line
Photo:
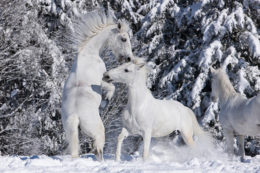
163, 158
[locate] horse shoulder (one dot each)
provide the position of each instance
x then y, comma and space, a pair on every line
144, 116
126, 115
130, 123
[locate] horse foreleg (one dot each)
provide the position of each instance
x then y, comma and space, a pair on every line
147, 141
240, 140
109, 89
230, 140
124, 133
99, 144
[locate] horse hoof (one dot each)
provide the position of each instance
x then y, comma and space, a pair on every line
75, 156
243, 160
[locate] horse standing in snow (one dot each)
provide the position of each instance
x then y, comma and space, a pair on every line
238, 115
146, 116
82, 91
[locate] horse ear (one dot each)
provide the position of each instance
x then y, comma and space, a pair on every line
212, 70
140, 65
119, 25
138, 61
122, 26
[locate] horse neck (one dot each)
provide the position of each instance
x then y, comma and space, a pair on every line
96, 43
89, 52
226, 92
138, 91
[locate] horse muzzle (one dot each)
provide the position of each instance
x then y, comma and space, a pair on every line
122, 58
107, 78
213, 98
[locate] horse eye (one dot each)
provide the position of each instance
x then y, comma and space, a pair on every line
123, 39
128, 59
126, 70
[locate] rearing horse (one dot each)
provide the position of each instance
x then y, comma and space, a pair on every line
82, 91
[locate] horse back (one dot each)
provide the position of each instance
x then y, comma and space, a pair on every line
242, 115
254, 109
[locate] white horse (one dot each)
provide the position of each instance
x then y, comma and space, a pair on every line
82, 91
238, 115
146, 116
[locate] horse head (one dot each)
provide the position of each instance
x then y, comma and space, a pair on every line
126, 73
120, 43
220, 84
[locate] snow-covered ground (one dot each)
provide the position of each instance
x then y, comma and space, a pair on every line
163, 158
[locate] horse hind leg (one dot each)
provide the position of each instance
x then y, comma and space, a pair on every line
147, 141
97, 133
71, 132
99, 144
229, 135
188, 137
240, 140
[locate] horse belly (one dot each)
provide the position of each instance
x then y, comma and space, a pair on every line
87, 98
68, 102
88, 78
165, 120
241, 122
164, 130
247, 130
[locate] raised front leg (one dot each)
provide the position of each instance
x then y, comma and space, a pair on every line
124, 133
147, 141
240, 140
229, 135
109, 89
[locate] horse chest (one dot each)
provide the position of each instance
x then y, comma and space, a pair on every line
101, 66
131, 123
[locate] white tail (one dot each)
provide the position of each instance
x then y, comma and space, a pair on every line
204, 137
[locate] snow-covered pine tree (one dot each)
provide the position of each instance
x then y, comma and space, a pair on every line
32, 75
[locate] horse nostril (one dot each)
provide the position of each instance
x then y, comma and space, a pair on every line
120, 58
123, 39
213, 98
128, 59
106, 76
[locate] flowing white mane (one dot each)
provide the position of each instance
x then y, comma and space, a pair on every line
90, 24
145, 69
